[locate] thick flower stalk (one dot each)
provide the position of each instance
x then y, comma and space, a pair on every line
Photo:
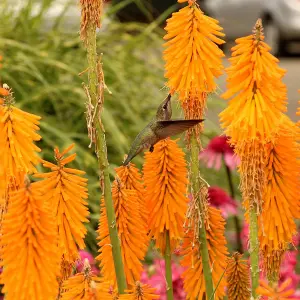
140, 292
91, 19
132, 235
281, 204
283, 292
252, 119
194, 281
165, 176
29, 253
18, 153
238, 278
85, 286
66, 192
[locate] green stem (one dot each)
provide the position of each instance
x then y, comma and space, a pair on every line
101, 152
254, 248
235, 217
168, 268
196, 186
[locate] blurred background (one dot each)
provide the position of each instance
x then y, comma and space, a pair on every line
43, 55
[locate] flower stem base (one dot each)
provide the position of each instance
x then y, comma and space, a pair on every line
168, 266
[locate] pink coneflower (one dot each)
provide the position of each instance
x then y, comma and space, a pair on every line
218, 148
288, 268
155, 276
220, 199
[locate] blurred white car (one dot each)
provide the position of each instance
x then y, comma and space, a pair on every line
281, 19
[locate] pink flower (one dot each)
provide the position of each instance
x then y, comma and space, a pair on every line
217, 148
288, 268
220, 199
155, 276
86, 255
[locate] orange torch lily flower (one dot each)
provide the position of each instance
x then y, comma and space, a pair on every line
66, 192
132, 233
140, 292
281, 204
255, 87
165, 176
29, 253
283, 292
18, 153
238, 278
85, 286
192, 57
132, 180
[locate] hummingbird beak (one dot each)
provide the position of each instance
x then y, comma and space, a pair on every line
168, 98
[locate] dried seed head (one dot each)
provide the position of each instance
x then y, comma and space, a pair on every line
91, 11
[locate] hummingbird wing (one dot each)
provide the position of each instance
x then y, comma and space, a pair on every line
173, 127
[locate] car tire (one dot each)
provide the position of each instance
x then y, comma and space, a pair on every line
273, 38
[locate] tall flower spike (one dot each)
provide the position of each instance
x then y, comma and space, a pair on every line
85, 286
281, 205
91, 11
28, 247
251, 120
238, 278
255, 87
282, 292
132, 234
192, 57
165, 176
18, 153
194, 283
66, 192
140, 292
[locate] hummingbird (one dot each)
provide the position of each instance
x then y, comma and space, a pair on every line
159, 128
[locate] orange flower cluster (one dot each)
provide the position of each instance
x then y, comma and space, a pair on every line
276, 293
17, 136
238, 278
255, 87
281, 197
66, 192
140, 292
28, 247
132, 234
165, 176
254, 113
85, 286
132, 180
192, 57
194, 283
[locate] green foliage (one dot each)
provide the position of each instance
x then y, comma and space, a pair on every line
41, 62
